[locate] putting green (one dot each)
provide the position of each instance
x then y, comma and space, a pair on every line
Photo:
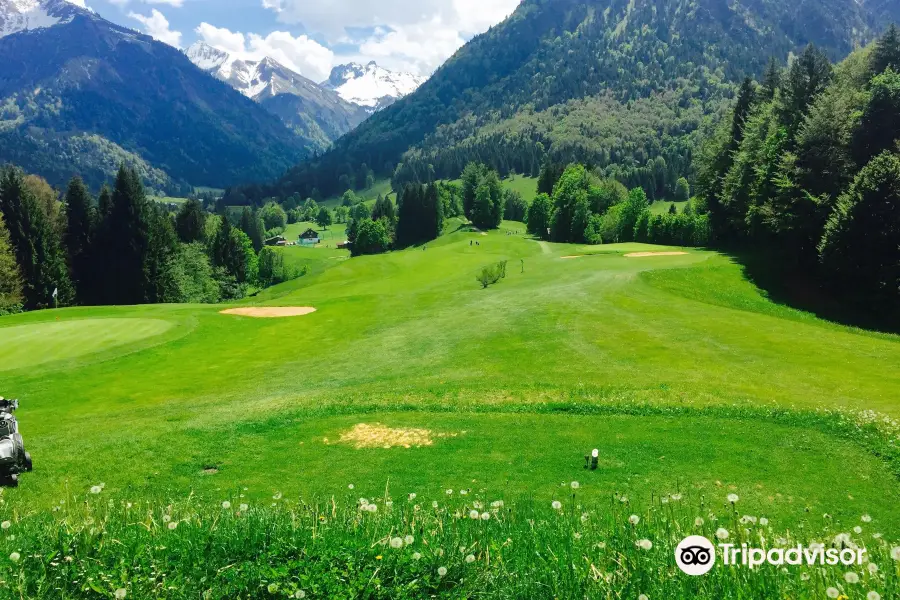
40, 343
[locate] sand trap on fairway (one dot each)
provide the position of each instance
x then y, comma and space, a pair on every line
270, 312
364, 435
646, 254
574, 256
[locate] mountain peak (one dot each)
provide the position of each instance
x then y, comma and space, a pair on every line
27, 15
371, 86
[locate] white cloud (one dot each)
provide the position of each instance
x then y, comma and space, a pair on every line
423, 33
175, 3
157, 27
301, 54
77, 3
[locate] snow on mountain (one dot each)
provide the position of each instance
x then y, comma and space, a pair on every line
371, 86
26, 15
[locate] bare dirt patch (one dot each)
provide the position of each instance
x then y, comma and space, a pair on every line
376, 435
270, 312
646, 254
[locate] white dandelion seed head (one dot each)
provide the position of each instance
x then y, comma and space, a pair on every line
350, 486
485, 516
473, 514
575, 485
408, 540
416, 556
676, 497
166, 518
449, 492
96, 489
463, 492
15, 557
396, 543
412, 496
226, 505
895, 553
763, 521
173, 525
873, 595
804, 576
470, 559
442, 571
497, 504
832, 592
733, 498
722, 533
866, 519
557, 505
244, 507
272, 587
634, 519
277, 496
120, 594
698, 522
664, 499
363, 501
372, 508
872, 567
299, 594
851, 577
643, 597
644, 544
595, 453
623, 499
857, 530
5, 525
434, 504
477, 505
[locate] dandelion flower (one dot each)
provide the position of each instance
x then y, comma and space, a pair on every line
96, 489
449, 492
722, 533
623, 499
557, 504
412, 496
273, 587
851, 577
873, 595
409, 540
166, 518
873, 568
675, 498
226, 505
416, 556
575, 485
277, 496
895, 553
857, 530
497, 504
350, 486
299, 594
866, 518
804, 576
698, 522
733, 498
5, 525
473, 514
463, 492
244, 507
396, 543
643, 597
372, 508
634, 519
173, 525
470, 559
485, 516
644, 544
15, 556
121, 593
763, 521
442, 571
832, 592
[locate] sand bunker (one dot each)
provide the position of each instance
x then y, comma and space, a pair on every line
377, 435
270, 312
574, 256
646, 254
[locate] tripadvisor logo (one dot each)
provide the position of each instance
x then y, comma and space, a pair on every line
696, 555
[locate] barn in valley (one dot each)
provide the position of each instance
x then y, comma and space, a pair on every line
310, 237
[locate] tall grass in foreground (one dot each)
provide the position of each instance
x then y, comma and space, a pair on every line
462, 545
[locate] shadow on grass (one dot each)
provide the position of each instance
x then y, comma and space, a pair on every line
789, 284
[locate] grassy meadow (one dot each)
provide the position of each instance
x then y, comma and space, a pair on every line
410, 385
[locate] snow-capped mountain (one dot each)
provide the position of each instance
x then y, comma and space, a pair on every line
22, 15
371, 86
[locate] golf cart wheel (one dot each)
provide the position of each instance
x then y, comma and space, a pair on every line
28, 465
12, 481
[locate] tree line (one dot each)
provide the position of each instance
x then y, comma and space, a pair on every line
808, 168
122, 247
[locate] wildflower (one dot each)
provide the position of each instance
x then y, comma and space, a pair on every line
675, 498
409, 540
379, 557
644, 544
722, 533
96, 489
121, 593
575, 485
485, 516
244, 507
832, 592
763, 521
748, 519
15, 556
623, 499
698, 522
873, 595
412, 496
851, 577
857, 530
396, 543
463, 492
473, 514
434, 504
804, 576
273, 587
350, 486
866, 519
643, 597
173, 525
226, 505
873, 568
388, 503
299, 594
634, 519
557, 505
5, 525
449, 492
277, 496
733, 498
416, 556
166, 518
470, 559
895, 553
497, 504
576, 535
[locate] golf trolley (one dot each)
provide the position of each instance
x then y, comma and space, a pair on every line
13, 458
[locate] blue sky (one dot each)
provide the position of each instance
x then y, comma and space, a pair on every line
311, 36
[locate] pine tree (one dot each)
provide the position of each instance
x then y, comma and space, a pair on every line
126, 272
163, 247
190, 222
771, 80
253, 226
746, 98
37, 246
78, 239
887, 52
808, 77
10, 279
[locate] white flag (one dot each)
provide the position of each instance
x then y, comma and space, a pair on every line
55, 292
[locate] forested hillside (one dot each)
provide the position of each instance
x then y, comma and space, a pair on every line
675, 59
